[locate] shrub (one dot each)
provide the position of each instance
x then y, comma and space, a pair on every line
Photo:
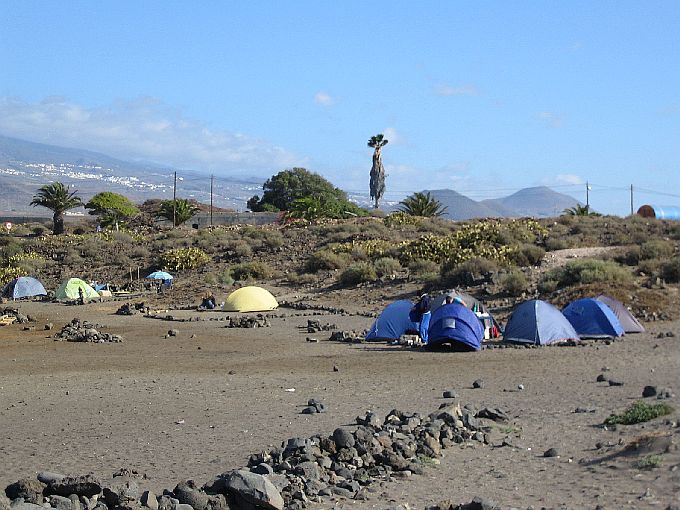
183, 258
423, 268
656, 249
398, 219
514, 283
357, 273
528, 255
301, 278
254, 270
670, 271
630, 257
326, 259
651, 266
639, 412
648, 462
556, 243
7, 274
589, 271
386, 266
467, 272
239, 248
225, 278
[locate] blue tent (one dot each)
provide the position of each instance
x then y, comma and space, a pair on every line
539, 323
24, 286
592, 318
457, 325
393, 322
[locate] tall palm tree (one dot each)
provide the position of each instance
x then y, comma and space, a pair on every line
59, 199
180, 209
377, 184
580, 210
422, 204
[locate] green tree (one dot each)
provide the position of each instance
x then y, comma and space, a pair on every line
181, 209
377, 183
422, 204
580, 210
112, 208
59, 199
282, 189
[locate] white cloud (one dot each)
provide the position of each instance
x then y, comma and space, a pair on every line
568, 179
324, 99
551, 119
392, 136
462, 90
141, 129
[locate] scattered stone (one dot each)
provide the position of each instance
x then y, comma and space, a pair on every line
49, 326
520, 387
258, 321
450, 394
335, 368
478, 384
615, 382
601, 378
551, 452
149, 500
494, 414
173, 332
649, 391
86, 485
343, 438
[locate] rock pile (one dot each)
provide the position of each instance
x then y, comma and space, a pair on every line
300, 471
83, 331
354, 337
259, 321
131, 309
14, 312
314, 326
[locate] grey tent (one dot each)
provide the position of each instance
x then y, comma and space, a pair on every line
628, 321
469, 301
539, 323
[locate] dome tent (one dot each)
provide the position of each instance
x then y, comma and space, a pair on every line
250, 299
628, 321
457, 325
394, 321
69, 290
592, 318
537, 322
23, 286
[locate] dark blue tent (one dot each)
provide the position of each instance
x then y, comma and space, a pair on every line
592, 318
539, 323
393, 322
457, 325
24, 286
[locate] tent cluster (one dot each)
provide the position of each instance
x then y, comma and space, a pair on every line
466, 323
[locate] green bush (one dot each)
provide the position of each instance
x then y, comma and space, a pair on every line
639, 412
7, 274
514, 283
254, 270
357, 273
239, 248
652, 267
556, 243
301, 278
398, 219
466, 272
630, 257
386, 266
527, 255
423, 268
670, 271
656, 249
326, 259
589, 271
648, 462
225, 278
183, 258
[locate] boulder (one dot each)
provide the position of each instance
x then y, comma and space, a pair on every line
31, 491
85, 485
255, 489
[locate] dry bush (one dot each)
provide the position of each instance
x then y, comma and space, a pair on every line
586, 271
467, 272
514, 283
358, 272
656, 249
301, 278
386, 266
251, 270
528, 255
239, 248
670, 271
326, 259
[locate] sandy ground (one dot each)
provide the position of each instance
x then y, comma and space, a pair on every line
190, 407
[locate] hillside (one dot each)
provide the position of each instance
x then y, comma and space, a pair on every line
538, 201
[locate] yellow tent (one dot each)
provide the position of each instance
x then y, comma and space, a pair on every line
250, 299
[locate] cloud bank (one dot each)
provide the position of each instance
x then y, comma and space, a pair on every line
143, 129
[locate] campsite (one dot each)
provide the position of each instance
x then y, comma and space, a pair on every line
188, 393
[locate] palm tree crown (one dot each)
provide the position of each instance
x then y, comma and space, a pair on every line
58, 198
422, 204
180, 209
580, 210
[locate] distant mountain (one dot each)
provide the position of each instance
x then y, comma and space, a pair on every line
460, 207
25, 166
539, 201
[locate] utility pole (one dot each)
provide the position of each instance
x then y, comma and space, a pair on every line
212, 181
631, 200
587, 195
174, 202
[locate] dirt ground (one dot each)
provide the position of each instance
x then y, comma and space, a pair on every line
198, 404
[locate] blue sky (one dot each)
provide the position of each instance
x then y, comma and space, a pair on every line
481, 97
